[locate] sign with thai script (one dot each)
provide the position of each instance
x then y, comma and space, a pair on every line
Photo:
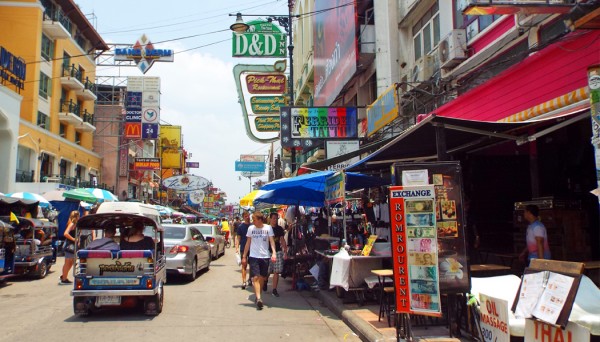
12, 69
267, 123
115, 268
383, 110
263, 39
267, 104
308, 126
170, 143
266, 83
414, 250
143, 54
142, 164
334, 188
493, 319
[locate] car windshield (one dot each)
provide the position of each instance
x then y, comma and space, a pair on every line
206, 230
174, 232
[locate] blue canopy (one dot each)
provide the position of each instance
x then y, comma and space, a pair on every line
298, 196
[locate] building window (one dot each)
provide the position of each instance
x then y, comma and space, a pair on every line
43, 121
473, 24
47, 48
62, 130
78, 138
45, 85
426, 32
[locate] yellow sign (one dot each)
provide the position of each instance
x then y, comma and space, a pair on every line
370, 242
170, 146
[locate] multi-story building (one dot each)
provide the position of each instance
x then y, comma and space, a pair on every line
52, 139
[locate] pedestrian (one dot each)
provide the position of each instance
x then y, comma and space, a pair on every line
69, 256
256, 252
225, 228
242, 230
236, 224
276, 268
107, 242
536, 236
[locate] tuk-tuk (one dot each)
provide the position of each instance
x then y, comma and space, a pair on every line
119, 278
33, 239
7, 250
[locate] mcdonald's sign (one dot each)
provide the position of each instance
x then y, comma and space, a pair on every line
133, 130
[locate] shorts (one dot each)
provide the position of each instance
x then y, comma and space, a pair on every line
259, 267
277, 266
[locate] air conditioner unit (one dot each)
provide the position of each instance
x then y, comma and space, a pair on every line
422, 70
452, 49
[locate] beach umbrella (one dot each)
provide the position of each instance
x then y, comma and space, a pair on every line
85, 205
247, 201
54, 195
80, 194
32, 197
103, 195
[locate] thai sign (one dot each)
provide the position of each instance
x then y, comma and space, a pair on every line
267, 104
266, 83
267, 123
143, 54
141, 164
334, 188
335, 44
306, 127
382, 111
170, 143
263, 39
186, 182
414, 249
12, 69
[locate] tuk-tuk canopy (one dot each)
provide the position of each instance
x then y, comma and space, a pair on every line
120, 220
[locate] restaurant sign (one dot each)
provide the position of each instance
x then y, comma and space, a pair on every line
266, 83
143, 164
143, 54
186, 182
263, 39
267, 123
267, 104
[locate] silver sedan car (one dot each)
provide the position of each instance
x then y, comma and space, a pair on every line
214, 237
187, 250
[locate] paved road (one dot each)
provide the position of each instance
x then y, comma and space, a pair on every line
209, 309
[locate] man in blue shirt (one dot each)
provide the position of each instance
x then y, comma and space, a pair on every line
241, 238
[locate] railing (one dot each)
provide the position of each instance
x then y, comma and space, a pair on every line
54, 13
88, 85
72, 71
24, 176
70, 107
87, 117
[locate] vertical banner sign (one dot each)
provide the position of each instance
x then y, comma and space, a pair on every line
334, 188
594, 86
170, 142
414, 245
494, 319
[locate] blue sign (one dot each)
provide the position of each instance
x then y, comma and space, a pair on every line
134, 99
133, 116
248, 166
143, 54
12, 69
149, 131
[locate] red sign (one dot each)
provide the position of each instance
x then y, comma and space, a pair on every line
133, 130
399, 253
266, 83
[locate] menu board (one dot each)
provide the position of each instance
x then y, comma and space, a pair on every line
446, 178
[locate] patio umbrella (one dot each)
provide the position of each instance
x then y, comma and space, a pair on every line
247, 201
80, 194
103, 195
31, 196
54, 195
316, 181
293, 196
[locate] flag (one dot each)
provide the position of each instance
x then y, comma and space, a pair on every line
13, 217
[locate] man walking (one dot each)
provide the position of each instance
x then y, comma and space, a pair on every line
280, 251
236, 224
260, 237
242, 230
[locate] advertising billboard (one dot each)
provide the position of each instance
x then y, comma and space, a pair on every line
306, 127
263, 39
383, 110
142, 164
170, 144
335, 55
143, 54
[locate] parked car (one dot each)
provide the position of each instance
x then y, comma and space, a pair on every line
187, 250
213, 236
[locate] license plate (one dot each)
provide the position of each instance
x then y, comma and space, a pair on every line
108, 300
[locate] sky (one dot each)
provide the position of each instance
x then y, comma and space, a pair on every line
197, 90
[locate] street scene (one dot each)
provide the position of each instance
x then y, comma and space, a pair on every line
332, 170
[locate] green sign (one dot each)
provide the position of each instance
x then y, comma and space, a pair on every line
267, 104
267, 123
263, 39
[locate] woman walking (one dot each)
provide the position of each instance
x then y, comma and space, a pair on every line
69, 255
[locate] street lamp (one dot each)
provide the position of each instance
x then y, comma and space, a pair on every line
286, 22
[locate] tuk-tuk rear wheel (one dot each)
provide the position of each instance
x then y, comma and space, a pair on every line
42, 270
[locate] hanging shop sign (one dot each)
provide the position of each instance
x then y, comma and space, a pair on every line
334, 188
253, 158
186, 182
382, 111
248, 166
307, 127
143, 54
337, 148
143, 164
150, 131
263, 39
170, 144
192, 165
267, 104
267, 123
266, 83
12, 69
196, 197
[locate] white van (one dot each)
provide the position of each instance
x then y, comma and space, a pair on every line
147, 210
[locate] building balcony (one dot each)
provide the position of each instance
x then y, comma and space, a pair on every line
69, 113
87, 125
71, 78
89, 91
56, 24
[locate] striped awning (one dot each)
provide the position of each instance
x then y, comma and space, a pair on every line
549, 106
